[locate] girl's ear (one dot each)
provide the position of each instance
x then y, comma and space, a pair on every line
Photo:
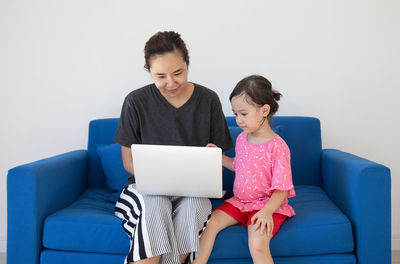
265, 110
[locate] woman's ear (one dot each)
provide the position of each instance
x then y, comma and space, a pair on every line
265, 110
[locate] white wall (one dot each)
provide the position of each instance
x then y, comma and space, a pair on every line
63, 63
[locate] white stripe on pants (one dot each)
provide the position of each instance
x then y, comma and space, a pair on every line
161, 225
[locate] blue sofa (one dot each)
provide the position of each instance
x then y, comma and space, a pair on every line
60, 209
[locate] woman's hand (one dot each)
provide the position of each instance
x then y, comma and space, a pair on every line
211, 145
263, 220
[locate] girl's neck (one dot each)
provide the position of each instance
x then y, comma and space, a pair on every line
261, 135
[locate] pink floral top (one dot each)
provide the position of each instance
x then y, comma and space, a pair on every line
260, 169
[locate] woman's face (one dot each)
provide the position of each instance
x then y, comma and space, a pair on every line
169, 73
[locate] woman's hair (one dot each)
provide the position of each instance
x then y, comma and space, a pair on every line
163, 42
259, 90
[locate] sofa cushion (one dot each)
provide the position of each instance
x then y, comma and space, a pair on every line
89, 225
303, 136
113, 167
67, 257
318, 227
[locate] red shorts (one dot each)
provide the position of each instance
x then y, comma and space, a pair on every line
244, 218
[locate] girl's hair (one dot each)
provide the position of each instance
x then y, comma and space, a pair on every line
163, 42
259, 90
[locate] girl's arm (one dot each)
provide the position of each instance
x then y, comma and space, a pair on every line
127, 159
226, 161
263, 218
275, 201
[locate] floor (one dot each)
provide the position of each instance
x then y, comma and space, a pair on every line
395, 257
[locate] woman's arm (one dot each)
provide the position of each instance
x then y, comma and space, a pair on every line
127, 160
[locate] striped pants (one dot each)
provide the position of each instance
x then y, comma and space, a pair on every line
161, 225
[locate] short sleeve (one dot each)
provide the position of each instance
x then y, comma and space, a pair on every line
128, 131
220, 134
281, 170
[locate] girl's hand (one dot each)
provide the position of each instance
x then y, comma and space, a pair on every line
211, 145
263, 220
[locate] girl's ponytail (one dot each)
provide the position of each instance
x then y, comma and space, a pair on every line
277, 95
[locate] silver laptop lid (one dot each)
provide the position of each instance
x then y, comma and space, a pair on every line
178, 170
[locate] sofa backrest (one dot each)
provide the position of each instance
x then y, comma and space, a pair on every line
101, 131
302, 134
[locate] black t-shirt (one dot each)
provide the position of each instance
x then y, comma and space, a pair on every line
148, 118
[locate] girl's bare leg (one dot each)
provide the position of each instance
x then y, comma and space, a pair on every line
218, 221
259, 246
183, 257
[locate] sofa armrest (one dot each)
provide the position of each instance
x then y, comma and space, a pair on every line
361, 189
36, 190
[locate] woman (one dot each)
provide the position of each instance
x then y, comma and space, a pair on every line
171, 111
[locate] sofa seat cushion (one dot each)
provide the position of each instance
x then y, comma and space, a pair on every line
88, 225
68, 257
318, 227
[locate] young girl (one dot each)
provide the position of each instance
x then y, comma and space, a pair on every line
263, 180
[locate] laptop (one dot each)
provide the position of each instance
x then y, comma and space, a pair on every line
178, 170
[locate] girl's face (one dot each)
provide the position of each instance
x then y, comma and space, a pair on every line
249, 116
169, 73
